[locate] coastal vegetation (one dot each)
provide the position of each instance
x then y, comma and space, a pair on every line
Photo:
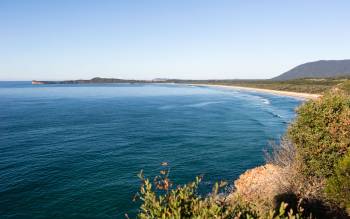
303, 85
321, 134
159, 200
307, 174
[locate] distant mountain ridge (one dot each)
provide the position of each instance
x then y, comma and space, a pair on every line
318, 69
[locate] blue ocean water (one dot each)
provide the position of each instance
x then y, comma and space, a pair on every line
74, 150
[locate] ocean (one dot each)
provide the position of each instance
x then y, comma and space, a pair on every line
74, 151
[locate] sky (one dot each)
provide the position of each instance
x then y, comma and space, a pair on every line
188, 39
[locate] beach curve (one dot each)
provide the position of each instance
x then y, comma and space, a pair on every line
307, 96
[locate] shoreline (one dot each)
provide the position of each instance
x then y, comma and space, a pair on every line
307, 96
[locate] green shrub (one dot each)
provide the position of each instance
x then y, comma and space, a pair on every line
321, 133
338, 186
160, 200
345, 86
184, 201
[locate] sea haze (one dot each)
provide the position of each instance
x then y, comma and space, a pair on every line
75, 150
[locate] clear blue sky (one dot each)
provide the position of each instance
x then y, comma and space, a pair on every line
145, 39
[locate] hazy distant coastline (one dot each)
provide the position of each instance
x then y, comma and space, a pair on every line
266, 86
96, 80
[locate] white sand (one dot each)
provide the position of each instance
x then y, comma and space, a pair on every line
276, 92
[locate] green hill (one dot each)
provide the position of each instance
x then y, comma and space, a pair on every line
318, 69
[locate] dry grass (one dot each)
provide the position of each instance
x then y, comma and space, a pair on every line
279, 180
284, 155
259, 187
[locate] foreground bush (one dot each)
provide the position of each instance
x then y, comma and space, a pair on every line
321, 133
160, 200
321, 137
338, 186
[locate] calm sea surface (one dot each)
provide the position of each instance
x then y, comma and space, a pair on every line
73, 151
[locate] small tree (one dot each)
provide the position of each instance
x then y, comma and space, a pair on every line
321, 133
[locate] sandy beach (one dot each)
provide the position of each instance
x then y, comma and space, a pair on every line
276, 92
